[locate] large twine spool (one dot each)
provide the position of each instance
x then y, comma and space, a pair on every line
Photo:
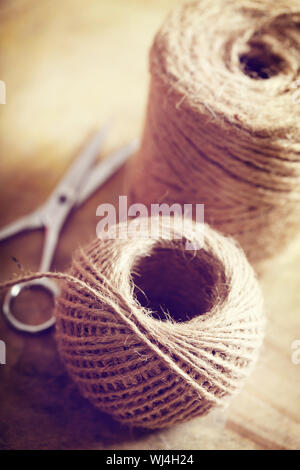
223, 120
155, 334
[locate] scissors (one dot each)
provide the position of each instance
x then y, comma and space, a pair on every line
80, 181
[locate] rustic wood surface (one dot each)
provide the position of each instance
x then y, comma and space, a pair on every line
69, 65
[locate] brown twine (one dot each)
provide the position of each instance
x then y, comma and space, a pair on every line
153, 333
223, 119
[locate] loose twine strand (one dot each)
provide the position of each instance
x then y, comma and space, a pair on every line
149, 371
223, 120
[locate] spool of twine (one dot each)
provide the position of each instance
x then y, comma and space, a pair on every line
223, 120
155, 334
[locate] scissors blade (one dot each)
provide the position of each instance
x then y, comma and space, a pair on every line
81, 167
105, 169
28, 222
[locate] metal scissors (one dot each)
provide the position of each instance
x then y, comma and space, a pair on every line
80, 181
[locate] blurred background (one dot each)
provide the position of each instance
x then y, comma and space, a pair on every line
68, 69
68, 66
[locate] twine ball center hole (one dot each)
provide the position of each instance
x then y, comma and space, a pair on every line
175, 283
260, 62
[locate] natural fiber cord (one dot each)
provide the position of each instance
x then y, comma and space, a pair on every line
154, 333
165, 334
223, 119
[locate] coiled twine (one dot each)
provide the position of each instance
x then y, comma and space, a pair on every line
223, 118
154, 334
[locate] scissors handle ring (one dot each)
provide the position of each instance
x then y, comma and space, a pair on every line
46, 284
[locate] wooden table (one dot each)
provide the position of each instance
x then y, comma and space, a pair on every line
68, 65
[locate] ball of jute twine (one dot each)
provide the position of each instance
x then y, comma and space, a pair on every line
153, 333
223, 119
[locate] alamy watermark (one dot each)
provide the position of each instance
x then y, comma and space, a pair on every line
296, 94
2, 92
2, 352
296, 354
135, 219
